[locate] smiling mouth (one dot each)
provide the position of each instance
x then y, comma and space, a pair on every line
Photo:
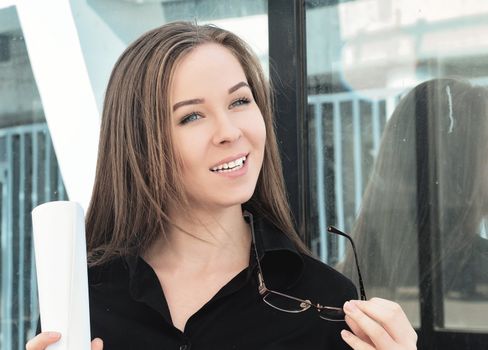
230, 166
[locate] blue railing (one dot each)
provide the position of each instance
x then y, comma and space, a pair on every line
343, 121
29, 175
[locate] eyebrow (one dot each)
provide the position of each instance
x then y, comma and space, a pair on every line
196, 101
238, 86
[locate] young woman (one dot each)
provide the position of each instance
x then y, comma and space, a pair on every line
189, 232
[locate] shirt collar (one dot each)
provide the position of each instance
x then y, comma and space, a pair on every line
281, 262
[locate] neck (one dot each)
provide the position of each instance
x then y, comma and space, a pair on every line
203, 240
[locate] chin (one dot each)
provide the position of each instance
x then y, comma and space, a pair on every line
237, 199
240, 201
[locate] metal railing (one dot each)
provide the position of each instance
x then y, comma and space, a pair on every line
29, 175
341, 122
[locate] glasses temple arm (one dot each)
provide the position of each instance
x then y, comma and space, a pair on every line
250, 220
334, 230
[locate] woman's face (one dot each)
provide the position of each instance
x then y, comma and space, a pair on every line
218, 129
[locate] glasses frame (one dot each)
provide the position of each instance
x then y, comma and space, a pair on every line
305, 304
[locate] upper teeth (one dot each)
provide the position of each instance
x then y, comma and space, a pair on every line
231, 164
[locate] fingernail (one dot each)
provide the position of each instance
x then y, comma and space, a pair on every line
345, 334
54, 334
350, 307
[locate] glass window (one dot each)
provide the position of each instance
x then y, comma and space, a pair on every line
395, 156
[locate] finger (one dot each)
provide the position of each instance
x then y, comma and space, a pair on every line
381, 301
354, 342
391, 316
42, 340
97, 344
378, 335
394, 306
358, 332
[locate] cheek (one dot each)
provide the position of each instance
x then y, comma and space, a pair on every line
261, 138
188, 159
256, 129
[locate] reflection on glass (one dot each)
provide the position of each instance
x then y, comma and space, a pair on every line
362, 57
453, 169
387, 224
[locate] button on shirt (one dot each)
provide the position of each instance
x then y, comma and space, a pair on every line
128, 309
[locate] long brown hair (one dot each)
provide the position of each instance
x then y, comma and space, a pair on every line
138, 174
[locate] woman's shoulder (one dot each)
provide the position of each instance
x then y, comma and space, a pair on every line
324, 280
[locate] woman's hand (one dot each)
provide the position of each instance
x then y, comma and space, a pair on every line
43, 340
378, 324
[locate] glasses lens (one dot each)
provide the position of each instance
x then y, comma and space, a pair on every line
332, 313
285, 303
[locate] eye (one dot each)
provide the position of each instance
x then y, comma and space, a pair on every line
190, 118
239, 102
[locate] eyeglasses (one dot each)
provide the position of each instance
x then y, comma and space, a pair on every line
287, 303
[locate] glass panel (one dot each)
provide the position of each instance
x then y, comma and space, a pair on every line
461, 151
363, 57
29, 175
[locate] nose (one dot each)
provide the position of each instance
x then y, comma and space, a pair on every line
226, 130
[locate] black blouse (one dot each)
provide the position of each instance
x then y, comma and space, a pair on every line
128, 309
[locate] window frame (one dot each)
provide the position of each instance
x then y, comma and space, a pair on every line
286, 23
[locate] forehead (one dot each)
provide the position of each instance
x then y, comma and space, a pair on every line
206, 67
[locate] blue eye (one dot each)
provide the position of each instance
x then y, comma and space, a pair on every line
239, 102
190, 118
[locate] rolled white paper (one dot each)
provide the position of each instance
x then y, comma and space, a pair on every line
62, 278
